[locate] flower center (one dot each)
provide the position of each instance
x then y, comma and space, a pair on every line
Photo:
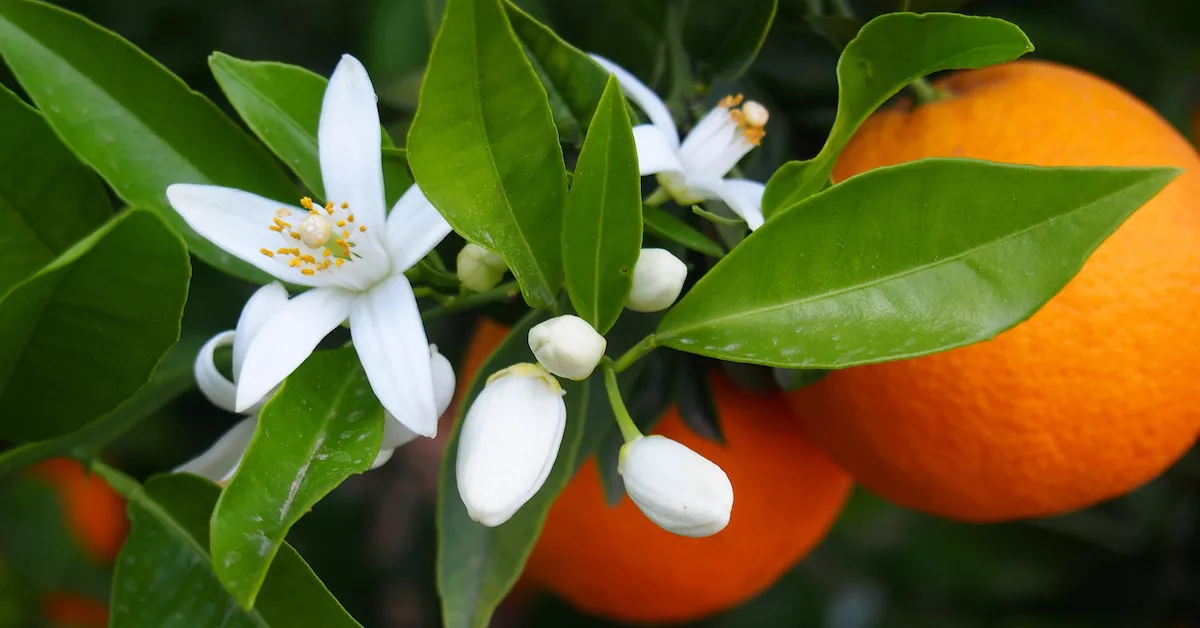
751, 117
325, 234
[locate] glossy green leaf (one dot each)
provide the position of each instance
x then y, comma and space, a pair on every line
890, 52
567, 71
668, 227
323, 426
48, 200
725, 36
484, 147
164, 577
86, 331
478, 565
904, 261
602, 226
281, 103
133, 121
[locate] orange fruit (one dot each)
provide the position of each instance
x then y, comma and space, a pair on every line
1091, 397
94, 512
69, 610
612, 561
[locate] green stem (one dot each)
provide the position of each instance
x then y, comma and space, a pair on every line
503, 292
635, 353
925, 91
441, 297
656, 198
629, 430
128, 487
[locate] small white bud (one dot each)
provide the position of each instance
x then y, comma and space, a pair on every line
509, 440
567, 346
478, 268
657, 280
676, 488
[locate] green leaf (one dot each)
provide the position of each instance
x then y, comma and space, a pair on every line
323, 426
726, 36
396, 179
133, 121
602, 227
668, 227
903, 261
164, 577
890, 52
478, 565
485, 150
48, 200
567, 71
86, 331
281, 103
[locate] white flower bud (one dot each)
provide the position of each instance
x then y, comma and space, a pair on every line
657, 280
509, 441
567, 346
676, 488
479, 269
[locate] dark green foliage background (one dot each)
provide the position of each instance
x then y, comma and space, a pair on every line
1132, 562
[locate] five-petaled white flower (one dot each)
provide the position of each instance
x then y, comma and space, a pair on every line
694, 171
219, 462
352, 258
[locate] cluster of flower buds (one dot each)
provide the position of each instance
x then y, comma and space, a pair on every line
511, 434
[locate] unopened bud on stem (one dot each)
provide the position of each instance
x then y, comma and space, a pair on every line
567, 346
657, 281
676, 488
479, 269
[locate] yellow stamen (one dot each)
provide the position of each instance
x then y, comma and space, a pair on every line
276, 228
267, 252
345, 205
345, 234
306, 271
341, 223
295, 236
329, 207
327, 253
294, 262
306, 203
731, 101
339, 262
350, 218
282, 224
362, 228
308, 258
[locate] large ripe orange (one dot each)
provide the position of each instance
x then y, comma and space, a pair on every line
614, 562
1096, 393
94, 512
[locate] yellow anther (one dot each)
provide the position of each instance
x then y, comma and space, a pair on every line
345, 234
326, 253
329, 207
350, 218
753, 134
341, 223
294, 262
362, 228
295, 236
308, 259
306, 271
306, 203
281, 224
267, 252
276, 228
345, 205
729, 102
323, 265
339, 262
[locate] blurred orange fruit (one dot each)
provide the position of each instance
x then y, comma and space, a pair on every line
612, 561
1096, 393
68, 610
94, 512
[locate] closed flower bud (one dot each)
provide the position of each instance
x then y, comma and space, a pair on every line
676, 488
657, 280
479, 269
567, 346
509, 441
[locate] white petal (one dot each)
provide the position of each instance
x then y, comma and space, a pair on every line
443, 380
382, 458
390, 339
237, 222
654, 150
646, 99
210, 381
259, 308
508, 443
221, 460
395, 435
675, 487
413, 228
288, 338
743, 196
349, 140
